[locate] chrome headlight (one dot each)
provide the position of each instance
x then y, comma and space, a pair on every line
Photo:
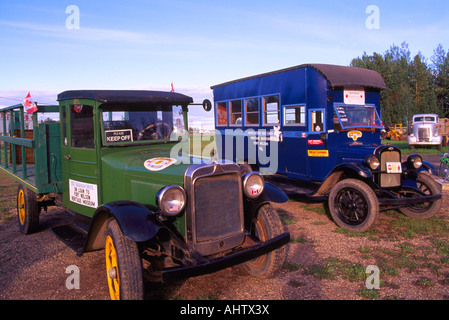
415, 161
372, 162
253, 184
171, 200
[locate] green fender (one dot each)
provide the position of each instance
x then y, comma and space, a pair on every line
135, 220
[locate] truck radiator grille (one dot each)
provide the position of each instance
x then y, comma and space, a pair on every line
424, 134
389, 179
217, 207
214, 214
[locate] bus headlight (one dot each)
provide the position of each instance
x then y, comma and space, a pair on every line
415, 161
171, 200
253, 184
372, 162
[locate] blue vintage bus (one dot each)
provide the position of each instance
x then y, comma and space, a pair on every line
315, 130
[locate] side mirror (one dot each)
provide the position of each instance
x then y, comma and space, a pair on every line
207, 105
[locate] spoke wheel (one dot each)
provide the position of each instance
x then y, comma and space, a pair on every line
353, 205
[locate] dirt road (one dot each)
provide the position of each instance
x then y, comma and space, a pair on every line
323, 263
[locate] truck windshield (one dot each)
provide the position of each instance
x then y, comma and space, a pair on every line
139, 124
348, 116
425, 119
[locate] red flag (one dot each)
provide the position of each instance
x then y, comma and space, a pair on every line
172, 88
29, 104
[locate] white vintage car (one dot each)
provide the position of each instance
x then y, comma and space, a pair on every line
425, 131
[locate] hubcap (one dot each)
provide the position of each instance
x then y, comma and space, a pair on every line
112, 269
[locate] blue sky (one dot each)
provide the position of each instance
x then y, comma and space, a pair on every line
145, 44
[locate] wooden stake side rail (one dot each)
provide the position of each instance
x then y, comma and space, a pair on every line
24, 170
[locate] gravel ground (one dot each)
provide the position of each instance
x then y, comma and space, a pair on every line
34, 266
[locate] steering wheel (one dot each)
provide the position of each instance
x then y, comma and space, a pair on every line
158, 131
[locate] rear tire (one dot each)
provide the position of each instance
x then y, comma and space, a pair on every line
27, 210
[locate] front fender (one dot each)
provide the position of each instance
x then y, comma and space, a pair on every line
349, 170
427, 166
136, 222
270, 193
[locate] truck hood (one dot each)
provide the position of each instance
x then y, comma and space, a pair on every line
150, 163
137, 173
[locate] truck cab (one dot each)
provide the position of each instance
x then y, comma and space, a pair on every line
425, 131
315, 130
158, 215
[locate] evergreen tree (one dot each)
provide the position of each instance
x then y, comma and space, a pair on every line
412, 85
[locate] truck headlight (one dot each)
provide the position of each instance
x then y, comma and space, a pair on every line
253, 184
415, 161
171, 200
372, 162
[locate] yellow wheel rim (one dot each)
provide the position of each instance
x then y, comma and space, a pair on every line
112, 269
21, 207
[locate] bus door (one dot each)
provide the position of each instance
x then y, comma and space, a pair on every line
317, 149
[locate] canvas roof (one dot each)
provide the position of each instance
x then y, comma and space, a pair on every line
338, 76
127, 96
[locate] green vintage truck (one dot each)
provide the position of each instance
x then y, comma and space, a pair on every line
106, 157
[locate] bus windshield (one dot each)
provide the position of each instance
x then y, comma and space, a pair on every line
349, 116
127, 124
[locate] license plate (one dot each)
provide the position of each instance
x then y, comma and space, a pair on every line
394, 167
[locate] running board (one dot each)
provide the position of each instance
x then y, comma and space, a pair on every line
73, 236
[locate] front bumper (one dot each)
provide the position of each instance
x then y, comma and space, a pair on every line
240, 256
428, 143
405, 202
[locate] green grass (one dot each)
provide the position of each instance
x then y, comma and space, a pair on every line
405, 148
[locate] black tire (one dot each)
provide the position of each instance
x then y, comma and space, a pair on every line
27, 210
266, 226
123, 265
353, 205
428, 209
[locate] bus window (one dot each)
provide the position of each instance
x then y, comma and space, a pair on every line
317, 121
236, 112
271, 109
222, 114
252, 112
295, 115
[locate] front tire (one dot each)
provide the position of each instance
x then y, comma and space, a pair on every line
353, 205
123, 265
266, 225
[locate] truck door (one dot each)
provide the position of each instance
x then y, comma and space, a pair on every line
79, 159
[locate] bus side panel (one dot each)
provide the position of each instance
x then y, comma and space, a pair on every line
319, 161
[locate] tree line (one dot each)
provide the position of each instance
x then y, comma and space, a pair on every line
414, 85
